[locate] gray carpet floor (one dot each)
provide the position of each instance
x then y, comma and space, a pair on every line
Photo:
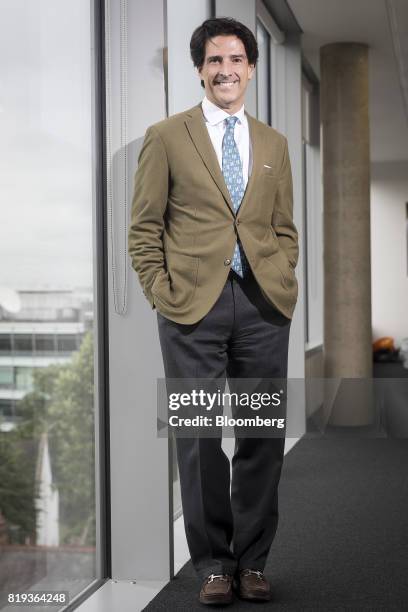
342, 540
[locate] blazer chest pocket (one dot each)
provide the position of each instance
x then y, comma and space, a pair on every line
268, 171
177, 285
269, 185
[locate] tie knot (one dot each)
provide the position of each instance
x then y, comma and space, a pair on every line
231, 121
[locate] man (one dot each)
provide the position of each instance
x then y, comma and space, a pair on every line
214, 245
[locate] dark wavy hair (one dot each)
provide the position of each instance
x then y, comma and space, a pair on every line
221, 26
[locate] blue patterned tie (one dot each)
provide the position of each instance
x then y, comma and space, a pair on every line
232, 171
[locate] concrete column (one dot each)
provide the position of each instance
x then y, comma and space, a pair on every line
346, 193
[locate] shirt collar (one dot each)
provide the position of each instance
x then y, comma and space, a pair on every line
214, 114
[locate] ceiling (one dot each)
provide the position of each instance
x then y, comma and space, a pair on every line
383, 25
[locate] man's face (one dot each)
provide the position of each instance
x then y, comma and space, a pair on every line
226, 72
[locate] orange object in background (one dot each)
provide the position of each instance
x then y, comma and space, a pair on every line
384, 344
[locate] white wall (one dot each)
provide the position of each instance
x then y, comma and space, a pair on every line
139, 511
389, 194
184, 87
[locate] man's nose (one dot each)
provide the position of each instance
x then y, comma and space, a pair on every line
226, 68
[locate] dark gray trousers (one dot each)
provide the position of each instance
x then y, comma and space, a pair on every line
243, 336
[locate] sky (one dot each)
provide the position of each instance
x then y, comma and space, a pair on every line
46, 145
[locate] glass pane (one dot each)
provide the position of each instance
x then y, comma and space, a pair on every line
23, 343
6, 411
5, 343
66, 344
6, 376
263, 74
47, 455
24, 379
45, 343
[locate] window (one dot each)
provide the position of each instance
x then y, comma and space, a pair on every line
313, 227
6, 413
6, 376
5, 343
23, 343
24, 379
45, 343
263, 74
270, 79
46, 243
66, 344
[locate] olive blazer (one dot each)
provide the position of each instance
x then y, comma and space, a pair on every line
183, 228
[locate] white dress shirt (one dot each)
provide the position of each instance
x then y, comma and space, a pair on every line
215, 122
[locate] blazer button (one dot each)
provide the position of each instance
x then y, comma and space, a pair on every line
227, 262
238, 221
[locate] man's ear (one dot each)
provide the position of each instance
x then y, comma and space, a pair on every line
251, 73
198, 71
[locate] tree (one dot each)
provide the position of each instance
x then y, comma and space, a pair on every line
16, 488
61, 403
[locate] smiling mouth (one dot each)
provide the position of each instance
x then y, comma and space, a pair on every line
226, 84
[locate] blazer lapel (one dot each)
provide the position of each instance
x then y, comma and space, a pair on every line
195, 124
256, 138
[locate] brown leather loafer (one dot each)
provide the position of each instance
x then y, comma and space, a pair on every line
254, 586
216, 589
